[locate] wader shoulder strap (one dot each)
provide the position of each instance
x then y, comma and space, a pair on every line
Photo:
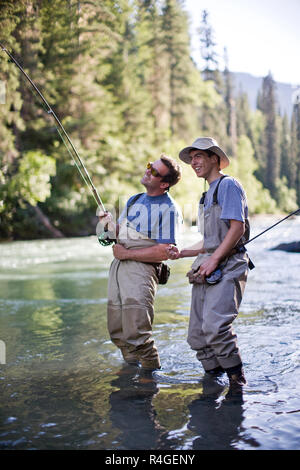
203, 198
247, 225
133, 201
215, 196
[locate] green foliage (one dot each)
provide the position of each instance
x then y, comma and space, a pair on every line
270, 136
295, 148
32, 182
286, 197
120, 77
243, 168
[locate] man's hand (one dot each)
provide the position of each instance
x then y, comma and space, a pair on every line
191, 251
208, 266
106, 220
173, 252
235, 232
120, 252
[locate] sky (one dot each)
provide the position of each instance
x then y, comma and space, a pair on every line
260, 36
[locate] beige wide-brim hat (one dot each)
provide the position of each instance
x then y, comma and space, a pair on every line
205, 143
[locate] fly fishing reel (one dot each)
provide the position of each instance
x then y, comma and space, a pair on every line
104, 239
214, 277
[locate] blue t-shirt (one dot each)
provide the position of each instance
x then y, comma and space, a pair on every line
157, 217
231, 198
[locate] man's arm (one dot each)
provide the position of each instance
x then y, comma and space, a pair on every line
193, 250
152, 254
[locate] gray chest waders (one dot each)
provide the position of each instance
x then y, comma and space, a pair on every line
215, 306
216, 275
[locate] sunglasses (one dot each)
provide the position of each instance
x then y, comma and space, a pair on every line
153, 171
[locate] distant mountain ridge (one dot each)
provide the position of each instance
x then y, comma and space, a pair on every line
250, 85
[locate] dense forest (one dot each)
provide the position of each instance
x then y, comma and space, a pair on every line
120, 76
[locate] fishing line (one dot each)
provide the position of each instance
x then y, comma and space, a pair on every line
73, 156
63, 134
70, 153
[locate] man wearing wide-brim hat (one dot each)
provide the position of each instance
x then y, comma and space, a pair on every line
223, 222
205, 143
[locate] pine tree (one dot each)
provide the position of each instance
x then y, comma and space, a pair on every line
25, 173
213, 121
180, 72
288, 161
271, 160
207, 48
11, 121
150, 37
243, 115
127, 81
77, 62
295, 147
230, 103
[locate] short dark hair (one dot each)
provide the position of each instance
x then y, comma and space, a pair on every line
175, 171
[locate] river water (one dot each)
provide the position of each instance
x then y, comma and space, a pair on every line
64, 386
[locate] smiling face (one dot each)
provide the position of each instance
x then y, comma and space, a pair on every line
204, 165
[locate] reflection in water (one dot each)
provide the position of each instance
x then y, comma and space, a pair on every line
214, 421
133, 413
216, 424
217, 420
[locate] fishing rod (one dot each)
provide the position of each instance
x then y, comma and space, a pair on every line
274, 225
216, 275
63, 134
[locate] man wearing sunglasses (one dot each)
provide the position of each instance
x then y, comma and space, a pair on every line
146, 234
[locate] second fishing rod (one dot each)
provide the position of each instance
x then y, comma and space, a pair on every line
216, 275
